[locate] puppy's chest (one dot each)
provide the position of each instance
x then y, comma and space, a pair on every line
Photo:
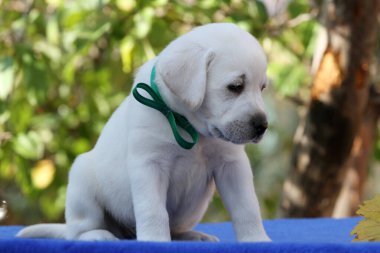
191, 183
185, 168
191, 174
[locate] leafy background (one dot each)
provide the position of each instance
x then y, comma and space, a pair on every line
66, 65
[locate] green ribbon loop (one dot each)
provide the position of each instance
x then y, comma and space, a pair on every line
175, 119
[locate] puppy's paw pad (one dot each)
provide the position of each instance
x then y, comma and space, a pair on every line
195, 236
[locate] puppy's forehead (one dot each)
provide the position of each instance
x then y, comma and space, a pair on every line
234, 62
236, 52
234, 47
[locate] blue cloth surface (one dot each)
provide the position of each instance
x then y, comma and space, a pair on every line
288, 235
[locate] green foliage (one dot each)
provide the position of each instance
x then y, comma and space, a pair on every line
66, 65
292, 50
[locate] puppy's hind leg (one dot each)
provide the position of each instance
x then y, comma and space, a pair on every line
97, 235
84, 215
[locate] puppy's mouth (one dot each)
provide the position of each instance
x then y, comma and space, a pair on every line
257, 139
217, 133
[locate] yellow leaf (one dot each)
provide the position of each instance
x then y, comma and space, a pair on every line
371, 208
369, 228
43, 174
126, 49
126, 5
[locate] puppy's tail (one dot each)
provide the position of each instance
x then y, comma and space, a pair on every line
57, 231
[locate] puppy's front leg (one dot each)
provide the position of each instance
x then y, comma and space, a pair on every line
235, 185
149, 188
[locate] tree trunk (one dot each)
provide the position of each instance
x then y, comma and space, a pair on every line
352, 191
339, 99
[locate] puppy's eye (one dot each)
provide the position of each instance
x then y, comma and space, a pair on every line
263, 86
236, 87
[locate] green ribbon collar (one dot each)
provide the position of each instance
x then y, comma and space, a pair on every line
175, 119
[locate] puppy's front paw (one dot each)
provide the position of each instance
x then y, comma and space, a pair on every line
194, 236
264, 239
260, 238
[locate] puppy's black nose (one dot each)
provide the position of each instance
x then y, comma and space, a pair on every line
260, 124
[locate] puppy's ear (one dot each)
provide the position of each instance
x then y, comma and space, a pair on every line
183, 67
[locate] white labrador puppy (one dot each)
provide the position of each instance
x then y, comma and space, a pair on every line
138, 182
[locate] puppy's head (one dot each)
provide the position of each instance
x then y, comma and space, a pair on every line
214, 75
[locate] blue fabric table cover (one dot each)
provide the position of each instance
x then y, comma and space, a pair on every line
288, 235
